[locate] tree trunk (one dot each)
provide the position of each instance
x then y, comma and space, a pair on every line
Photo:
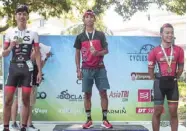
4, 28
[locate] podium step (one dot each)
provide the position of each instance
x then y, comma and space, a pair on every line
78, 127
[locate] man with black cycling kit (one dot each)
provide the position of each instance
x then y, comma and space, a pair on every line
170, 60
20, 41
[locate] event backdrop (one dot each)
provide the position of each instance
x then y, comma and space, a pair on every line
130, 97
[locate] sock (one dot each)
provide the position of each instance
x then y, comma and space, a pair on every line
105, 114
6, 126
88, 113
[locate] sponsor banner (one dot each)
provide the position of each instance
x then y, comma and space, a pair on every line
123, 95
60, 98
145, 110
140, 76
145, 95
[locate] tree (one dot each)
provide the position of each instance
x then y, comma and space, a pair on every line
127, 8
59, 8
77, 10
46, 8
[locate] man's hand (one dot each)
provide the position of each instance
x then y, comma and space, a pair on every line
79, 75
95, 53
152, 78
12, 44
100, 53
39, 77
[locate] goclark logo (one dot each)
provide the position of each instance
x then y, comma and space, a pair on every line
72, 111
39, 111
146, 110
71, 97
139, 76
41, 95
117, 111
120, 94
142, 54
145, 95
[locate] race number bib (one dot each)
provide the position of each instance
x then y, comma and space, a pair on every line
30, 65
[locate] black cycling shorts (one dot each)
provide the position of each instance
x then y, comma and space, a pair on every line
19, 75
165, 86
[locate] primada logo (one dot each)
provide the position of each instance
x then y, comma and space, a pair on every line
139, 76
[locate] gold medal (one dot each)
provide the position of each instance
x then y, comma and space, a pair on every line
169, 70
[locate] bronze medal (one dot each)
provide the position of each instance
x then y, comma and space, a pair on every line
92, 49
169, 70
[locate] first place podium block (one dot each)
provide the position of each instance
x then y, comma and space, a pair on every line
78, 127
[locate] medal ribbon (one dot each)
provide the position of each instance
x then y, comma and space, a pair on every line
171, 54
93, 33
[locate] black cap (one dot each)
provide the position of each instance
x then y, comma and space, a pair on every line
22, 8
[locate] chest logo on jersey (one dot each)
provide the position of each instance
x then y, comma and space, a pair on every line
26, 38
22, 40
169, 58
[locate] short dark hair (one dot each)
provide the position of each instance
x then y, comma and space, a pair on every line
133, 73
165, 26
22, 8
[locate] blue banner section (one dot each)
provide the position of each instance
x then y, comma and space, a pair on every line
130, 97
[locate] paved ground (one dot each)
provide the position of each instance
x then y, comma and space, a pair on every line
50, 127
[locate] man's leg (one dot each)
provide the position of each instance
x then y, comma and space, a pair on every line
102, 84
104, 103
14, 112
20, 103
14, 109
26, 91
9, 94
159, 95
87, 104
32, 102
156, 117
173, 107
87, 83
173, 98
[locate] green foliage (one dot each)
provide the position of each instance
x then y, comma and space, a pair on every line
182, 112
74, 9
182, 89
127, 8
46, 8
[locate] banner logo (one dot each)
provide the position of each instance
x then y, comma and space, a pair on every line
119, 111
123, 95
141, 54
71, 97
145, 95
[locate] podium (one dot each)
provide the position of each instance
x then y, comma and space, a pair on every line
78, 127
